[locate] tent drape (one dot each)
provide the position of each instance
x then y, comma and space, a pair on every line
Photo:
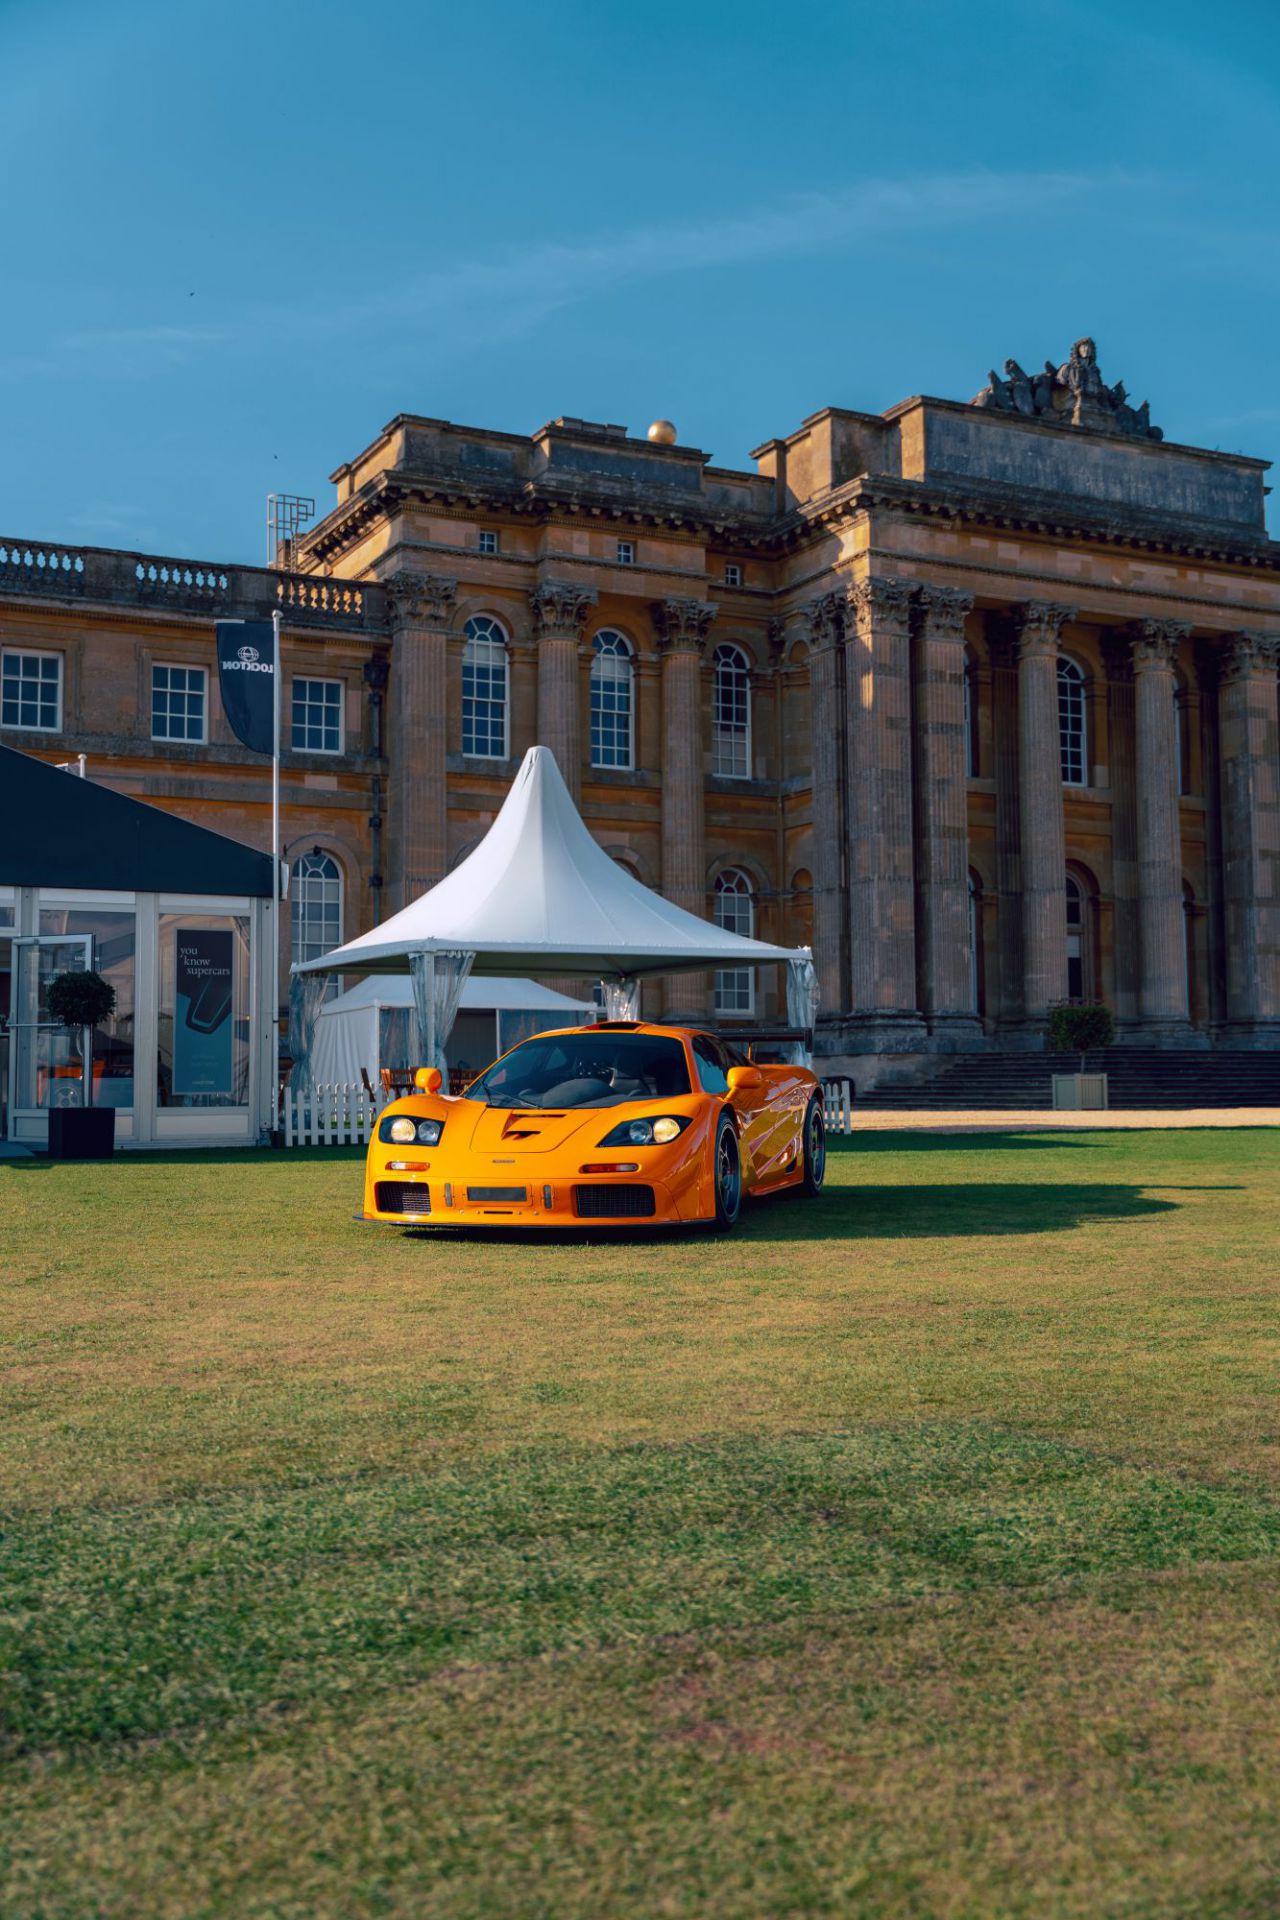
802, 1000
438, 980
622, 998
306, 994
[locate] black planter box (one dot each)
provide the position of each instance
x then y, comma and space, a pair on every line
82, 1133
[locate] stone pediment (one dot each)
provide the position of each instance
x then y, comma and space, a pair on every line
1072, 395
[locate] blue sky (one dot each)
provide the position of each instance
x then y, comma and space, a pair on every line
240, 236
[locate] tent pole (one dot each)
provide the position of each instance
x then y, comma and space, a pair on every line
431, 1009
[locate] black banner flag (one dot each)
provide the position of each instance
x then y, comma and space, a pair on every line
246, 677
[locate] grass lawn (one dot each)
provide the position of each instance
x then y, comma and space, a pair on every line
911, 1554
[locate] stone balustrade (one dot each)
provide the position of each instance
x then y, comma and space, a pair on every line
109, 577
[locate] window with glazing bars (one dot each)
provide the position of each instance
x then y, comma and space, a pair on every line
1071, 723
611, 700
177, 703
735, 912
31, 691
317, 716
484, 690
731, 714
316, 905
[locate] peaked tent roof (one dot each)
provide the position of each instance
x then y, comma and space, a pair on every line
539, 895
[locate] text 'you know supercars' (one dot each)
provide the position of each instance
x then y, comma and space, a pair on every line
621, 1124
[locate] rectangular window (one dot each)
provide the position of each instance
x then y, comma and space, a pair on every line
31, 691
735, 990
626, 553
114, 943
203, 1016
488, 540
177, 703
732, 574
317, 716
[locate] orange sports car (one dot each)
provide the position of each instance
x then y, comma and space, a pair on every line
618, 1124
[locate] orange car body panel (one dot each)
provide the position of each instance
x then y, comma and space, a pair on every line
485, 1151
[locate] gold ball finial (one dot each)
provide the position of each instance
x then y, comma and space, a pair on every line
663, 433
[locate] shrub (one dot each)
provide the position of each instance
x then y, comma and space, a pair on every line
1074, 1029
81, 999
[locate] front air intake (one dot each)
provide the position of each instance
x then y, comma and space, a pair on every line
401, 1196
618, 1201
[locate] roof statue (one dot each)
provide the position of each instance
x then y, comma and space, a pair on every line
1072, 395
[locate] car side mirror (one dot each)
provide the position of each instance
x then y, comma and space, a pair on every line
744, 1080
428, 1079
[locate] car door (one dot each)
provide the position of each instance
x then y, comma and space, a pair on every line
751, 1106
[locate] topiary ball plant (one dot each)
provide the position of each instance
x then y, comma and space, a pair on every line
1075, 1029
81, 999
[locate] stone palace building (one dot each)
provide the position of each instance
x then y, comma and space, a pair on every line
980, 699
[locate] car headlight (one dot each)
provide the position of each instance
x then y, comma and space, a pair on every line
403, 1129
647, 1133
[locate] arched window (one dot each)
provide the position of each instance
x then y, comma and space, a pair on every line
735, 912
612, 702
971, 766
1079, 941
315, 888
1071, 726
731, 714
484, 689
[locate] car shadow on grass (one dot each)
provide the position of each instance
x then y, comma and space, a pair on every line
876, 1213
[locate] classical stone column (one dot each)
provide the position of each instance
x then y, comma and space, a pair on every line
1250, 780
1117, 656
417, 706
1003, 648
559, 618
682, 627
827, 805
1162, 934
878, 781
945, 969
1042, 837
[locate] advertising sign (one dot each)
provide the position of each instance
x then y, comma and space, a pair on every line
246, 675
202, 1025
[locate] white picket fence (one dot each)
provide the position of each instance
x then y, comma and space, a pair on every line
337, 1116
345, 1116
837, 1106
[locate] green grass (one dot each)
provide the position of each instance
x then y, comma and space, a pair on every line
913, 1554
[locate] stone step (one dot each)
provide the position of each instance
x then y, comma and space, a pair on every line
1137, 1077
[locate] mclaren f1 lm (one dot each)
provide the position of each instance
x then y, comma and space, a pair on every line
622, 1124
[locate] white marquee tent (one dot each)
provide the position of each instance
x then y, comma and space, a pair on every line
538, 896
371, 1025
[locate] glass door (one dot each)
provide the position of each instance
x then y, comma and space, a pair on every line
46, 1061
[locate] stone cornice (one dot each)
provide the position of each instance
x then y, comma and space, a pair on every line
682, 625
420, 599
560, 609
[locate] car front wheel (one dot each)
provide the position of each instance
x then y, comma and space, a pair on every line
727, 1171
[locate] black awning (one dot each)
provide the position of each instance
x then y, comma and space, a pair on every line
57, 830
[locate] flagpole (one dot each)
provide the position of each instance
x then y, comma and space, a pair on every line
276, 675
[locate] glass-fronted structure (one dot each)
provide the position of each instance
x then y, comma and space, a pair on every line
177, 920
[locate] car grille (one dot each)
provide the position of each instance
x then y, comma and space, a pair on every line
401, 1196
618, 1201
513, 1196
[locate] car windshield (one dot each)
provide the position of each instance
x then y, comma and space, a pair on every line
588, 1069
